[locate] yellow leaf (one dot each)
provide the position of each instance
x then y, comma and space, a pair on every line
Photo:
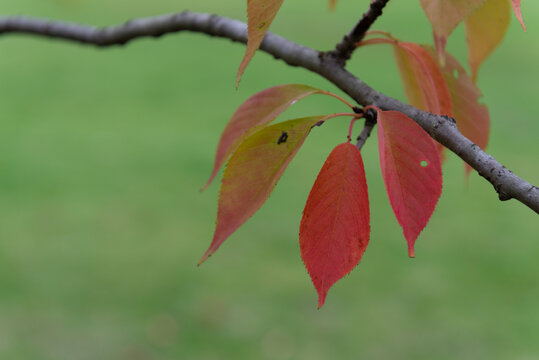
485, 30
260, 15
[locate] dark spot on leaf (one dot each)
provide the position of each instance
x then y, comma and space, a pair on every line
318, 123
282, 138
261, 25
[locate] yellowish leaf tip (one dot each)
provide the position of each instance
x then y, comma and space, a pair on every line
204, 258
411, 251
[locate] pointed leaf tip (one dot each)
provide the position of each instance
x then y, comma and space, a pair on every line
518, 13
253, 171
485, 30
411, 170
260, 15
335, 228
204, 257
411, 251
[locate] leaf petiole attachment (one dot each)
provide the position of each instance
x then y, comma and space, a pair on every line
352, 122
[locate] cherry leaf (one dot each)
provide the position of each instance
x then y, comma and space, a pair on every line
424, 83
411, 171
445, 15
472, 118
260, 15
253, 171
257, 111
335, 227
423, 80
518, 13
485, 30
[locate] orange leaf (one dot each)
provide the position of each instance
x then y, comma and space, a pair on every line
423, 80
411, 171
485, 30
334, 230
259, 110
518, 13
424, 83
253, 171
260, 15
472, 118
445, 15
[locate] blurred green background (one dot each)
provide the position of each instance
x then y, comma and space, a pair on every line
103, 153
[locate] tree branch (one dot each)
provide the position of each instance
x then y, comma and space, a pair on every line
343, 51
442, 129
122, 34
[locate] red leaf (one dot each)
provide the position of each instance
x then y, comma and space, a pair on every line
516, 8
334, 230
259, 110
445, 15
422, 77
260, 15
424, 83
423, 80
411, 171
253, 171
472, 118
485, 30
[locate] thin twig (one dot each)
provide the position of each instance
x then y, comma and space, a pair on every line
343, 51
370, 122
443, 130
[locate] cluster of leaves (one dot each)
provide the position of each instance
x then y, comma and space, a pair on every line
486, 24
335, 228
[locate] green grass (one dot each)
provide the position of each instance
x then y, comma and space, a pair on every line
103, 152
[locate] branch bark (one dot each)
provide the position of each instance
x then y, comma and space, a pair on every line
442, 129
343, 51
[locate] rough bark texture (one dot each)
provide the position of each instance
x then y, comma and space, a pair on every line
442, 129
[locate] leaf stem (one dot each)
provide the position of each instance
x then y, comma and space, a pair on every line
339, 98
332, 116
352, 122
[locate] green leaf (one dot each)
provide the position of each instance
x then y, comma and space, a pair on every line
253, 171
256, 112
